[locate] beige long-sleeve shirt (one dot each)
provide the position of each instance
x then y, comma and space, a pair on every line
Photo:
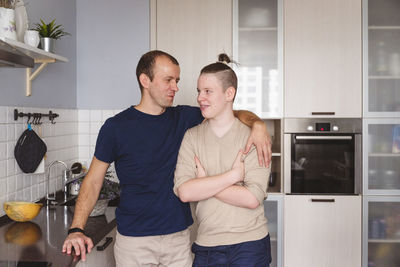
220, 223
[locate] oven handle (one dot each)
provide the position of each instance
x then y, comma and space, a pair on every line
328, 137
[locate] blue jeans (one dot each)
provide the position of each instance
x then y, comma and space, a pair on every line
247, 254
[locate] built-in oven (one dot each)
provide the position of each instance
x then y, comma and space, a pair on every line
322, 156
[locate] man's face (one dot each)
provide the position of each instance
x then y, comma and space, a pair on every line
211, 96
164, 85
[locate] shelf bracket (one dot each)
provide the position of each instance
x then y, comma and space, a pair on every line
31, 76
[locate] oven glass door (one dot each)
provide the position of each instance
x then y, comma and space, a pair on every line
322, 164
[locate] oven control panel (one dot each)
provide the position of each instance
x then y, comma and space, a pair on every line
322, 127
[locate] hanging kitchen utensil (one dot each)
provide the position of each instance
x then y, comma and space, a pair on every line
29, 150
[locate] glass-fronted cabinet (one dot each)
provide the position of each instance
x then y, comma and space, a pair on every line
381, 58
273, 212
381, 231
257, 48
381, 139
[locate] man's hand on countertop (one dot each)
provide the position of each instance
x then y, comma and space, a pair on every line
79, 243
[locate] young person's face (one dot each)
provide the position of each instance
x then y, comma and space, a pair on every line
211, 96
164, 85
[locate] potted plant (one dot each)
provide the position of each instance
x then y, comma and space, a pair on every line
49, 33
7, 19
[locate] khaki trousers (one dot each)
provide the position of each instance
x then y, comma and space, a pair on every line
171, 250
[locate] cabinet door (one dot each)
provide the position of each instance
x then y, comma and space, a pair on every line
381, 58
273, 213
194, 32
322, 58
381, 235
322, 231
257, 45
101, 258
381, 140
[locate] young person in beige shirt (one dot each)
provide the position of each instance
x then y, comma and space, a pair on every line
227, 187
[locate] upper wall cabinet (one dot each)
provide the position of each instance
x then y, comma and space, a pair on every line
381, 58
257, 47
322, 58
194, 32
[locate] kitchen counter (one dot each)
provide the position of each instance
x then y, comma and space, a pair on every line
41, 239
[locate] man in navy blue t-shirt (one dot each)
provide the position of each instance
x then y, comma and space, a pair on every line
144, 141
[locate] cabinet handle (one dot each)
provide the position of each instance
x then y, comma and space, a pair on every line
105, 245
322, 200
322, 113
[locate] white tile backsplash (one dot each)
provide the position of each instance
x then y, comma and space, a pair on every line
95, 115
62, 144
72, 138
83, 115
3, 151
3, 114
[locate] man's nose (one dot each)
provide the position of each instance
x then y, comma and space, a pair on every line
174, 86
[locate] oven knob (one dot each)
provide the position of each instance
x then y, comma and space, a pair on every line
310, 128
335, 128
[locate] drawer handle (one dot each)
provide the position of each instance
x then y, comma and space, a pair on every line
322, 200
322, 113
105, 245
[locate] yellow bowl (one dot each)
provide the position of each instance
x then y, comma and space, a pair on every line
22, 211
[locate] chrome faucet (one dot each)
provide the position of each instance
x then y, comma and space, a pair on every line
66, 175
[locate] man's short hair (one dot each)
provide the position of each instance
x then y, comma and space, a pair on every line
147, 62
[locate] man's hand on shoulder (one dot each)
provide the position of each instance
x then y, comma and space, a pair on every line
259, 136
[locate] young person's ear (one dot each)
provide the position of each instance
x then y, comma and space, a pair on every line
144, 80
230, 94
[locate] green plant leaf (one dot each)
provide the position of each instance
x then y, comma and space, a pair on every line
51, 30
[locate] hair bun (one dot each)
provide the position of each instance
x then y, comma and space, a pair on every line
224, 58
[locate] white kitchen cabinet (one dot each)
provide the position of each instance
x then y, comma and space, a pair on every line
381, 235
381, 155
194, 32
257, 47
381, 24
322, 58
103, 258
322, 231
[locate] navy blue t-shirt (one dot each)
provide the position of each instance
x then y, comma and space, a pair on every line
145, 149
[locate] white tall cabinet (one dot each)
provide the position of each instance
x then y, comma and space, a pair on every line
194, 32
322, 58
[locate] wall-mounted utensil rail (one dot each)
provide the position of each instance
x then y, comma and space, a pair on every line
36, 116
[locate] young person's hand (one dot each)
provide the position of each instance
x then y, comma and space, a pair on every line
201, 172
238, 167
259, 136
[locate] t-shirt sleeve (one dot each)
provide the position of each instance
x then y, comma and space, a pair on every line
185, 167
105, 144
192, 115
256, 177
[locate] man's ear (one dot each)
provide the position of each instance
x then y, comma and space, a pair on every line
144, 80
230, 94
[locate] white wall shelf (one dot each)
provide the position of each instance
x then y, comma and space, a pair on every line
40, 57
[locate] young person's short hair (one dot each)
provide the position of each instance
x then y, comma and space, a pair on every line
224, 73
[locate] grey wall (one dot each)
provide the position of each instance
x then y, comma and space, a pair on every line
111, 38
56, 85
